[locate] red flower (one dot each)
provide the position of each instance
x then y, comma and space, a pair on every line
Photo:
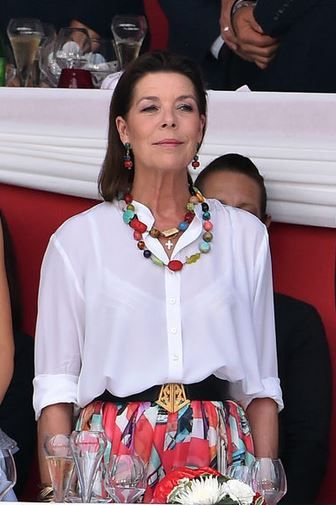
171, 480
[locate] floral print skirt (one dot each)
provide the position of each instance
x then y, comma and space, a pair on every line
203, 433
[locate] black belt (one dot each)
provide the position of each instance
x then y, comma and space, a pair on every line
211, 389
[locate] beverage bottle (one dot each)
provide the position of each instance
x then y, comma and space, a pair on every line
2, 63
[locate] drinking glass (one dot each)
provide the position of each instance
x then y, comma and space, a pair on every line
72, 46
125, 479
102, 60
240, 472
129, 33
88, 448
50, 71
60, 464
7, 472
269, 479
24, 35
48, 37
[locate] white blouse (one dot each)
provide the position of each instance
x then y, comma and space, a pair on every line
108, 318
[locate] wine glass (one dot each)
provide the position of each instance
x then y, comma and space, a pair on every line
269, 479
88, 448
50, 71
7, 472
60, 464
129, 33
102, 60
240, 472
24, 35
72, 46
125, 479
48, 37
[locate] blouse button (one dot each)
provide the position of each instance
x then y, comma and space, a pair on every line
173, 330
172, 301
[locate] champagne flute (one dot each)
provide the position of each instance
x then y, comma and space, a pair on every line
125, 479
88, 448
24, 35
7, 472
60, 464
269, 479
129, 33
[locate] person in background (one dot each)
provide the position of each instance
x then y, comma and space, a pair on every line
6, 333
96, 17
16, 409
155, 335
193, 31
303, 354
59, 13
271, 45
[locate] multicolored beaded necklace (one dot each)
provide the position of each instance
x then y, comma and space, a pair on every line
130, 217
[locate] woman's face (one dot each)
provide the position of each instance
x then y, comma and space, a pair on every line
163, 124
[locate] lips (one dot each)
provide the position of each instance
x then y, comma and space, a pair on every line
168, 142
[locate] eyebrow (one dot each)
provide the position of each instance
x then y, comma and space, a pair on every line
156, 98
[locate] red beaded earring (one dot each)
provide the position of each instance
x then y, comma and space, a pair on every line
128, 163
195, 163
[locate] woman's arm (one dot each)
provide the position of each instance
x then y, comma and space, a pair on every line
262, 414
6, 332
54, 419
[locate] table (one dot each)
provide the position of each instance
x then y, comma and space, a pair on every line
55, 140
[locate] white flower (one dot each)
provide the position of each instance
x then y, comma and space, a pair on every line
239, 491
203, 491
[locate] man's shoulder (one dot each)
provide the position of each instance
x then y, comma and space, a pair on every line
284, 303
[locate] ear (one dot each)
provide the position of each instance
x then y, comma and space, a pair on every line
121, 126
202, 126
267, 220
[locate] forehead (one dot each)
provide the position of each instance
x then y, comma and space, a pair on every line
161, 84
232, 183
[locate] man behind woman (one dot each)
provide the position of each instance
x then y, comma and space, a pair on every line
303, 355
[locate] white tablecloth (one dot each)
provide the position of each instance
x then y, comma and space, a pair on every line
55, 139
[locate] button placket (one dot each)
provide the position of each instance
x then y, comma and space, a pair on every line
174, 328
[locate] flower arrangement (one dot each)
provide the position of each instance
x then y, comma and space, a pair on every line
204, 486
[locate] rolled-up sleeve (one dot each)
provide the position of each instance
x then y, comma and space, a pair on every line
263, 381
59, 330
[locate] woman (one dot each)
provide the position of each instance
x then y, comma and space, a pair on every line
6, 352
18, 396
144, 325
6, 332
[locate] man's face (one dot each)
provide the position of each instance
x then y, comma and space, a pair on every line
234, 189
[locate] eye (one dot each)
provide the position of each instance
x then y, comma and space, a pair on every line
185, 107
149, 108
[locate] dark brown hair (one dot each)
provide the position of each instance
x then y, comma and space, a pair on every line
12, 278
113, 176
236, 163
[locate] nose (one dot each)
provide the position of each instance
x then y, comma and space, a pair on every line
167, 124
168, 119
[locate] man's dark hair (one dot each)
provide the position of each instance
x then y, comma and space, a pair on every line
236, 163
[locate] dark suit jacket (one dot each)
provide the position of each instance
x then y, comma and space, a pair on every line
305, 58
305, 375
193, 28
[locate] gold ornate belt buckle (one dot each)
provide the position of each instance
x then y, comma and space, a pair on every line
172, 397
